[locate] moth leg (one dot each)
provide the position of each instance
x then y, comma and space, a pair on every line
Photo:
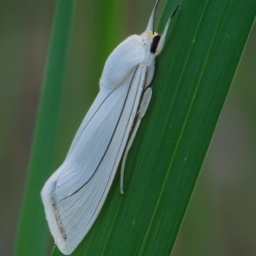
141, 112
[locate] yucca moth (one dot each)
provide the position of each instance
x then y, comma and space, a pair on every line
74, 195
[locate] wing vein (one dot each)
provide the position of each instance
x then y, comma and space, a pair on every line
108, 143
122, 140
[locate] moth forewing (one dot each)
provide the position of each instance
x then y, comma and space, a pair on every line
74, 195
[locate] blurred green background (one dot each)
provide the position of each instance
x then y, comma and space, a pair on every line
220, 218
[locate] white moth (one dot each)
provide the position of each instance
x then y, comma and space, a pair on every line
74, 195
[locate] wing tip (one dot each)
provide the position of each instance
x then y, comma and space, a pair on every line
53, 220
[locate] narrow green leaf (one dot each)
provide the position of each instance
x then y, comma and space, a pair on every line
33, 234
194, 73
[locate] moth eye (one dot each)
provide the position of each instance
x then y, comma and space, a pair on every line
154, 43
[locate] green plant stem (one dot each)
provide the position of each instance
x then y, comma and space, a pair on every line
33, 235
194, 73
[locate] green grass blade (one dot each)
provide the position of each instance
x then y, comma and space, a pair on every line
194, 73
33, 234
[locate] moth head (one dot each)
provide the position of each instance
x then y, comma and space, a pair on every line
156, 41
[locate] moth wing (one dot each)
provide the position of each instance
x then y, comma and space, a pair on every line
74, 195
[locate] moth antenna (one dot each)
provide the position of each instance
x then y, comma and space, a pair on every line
162, 39
150, 26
